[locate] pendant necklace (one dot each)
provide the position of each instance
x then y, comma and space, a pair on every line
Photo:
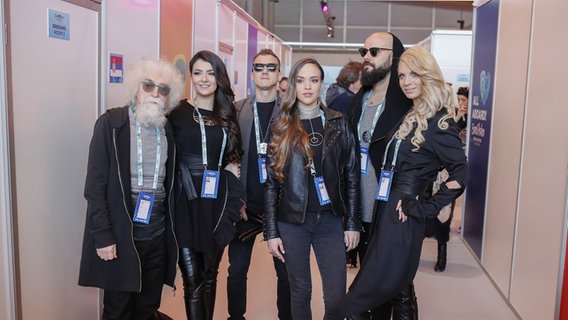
314, 138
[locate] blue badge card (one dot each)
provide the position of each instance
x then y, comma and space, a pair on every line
321, 190
143, 207
262, 169
385, 182
210, 184
364, 160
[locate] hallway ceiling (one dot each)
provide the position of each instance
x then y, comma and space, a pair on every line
412, 21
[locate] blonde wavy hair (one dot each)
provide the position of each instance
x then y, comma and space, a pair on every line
435, 95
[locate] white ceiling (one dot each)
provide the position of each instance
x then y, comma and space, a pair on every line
411, 21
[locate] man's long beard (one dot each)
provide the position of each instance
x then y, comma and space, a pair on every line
370, 78
151, 113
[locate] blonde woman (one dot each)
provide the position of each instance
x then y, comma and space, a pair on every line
427, 140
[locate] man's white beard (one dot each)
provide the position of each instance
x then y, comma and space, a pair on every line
151, 113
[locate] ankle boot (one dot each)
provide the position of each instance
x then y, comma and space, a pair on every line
405, 305
442, 255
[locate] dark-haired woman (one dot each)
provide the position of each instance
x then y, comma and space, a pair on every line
312, 187
208, 192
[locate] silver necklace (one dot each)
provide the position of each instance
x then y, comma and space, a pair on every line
314, 138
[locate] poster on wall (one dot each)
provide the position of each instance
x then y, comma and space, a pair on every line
481, 94
116, 71
58, 24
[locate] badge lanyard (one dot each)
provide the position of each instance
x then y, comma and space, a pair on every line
365, 151
321, 190
145, 201
385, 180
210, 183
261, 147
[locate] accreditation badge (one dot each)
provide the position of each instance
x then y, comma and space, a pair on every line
385, 182
323, 196
364, 160
210, 184
143, 209
262, 169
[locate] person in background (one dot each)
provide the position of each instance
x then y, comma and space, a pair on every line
339, 94
375, 110
129, 246
461, 114
282, 87
439, 227
254, 115
426, 140
208, 195
312, 189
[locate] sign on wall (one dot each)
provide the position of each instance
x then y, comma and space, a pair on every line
58, 24
116, 71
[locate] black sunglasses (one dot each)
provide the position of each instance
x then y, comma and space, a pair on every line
259, 67
149, 86
374, 51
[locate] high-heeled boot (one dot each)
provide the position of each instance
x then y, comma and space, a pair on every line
210, 283
405, 305
442, 255
192, 285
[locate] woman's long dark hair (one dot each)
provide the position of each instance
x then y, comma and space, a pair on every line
289, 134
223, 104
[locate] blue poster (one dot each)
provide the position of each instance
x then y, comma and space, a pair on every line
481, 95
58, 24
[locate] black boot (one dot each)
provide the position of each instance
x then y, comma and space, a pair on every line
193, 283
442, 255
405, 305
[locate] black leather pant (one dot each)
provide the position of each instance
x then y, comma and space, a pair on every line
199, 273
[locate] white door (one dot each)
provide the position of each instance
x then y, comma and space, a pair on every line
54, 105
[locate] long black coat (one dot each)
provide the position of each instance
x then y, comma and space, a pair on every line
110, 209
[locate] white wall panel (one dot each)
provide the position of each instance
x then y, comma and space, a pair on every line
7, 272
240, 53
55, 99
133, 30
507, 138
540, 222
204, 29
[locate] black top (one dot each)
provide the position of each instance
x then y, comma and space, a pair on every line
315, 126
255, 190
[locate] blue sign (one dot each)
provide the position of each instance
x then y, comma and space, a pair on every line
479, 127
58, 25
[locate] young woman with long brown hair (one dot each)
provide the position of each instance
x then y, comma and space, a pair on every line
312, 188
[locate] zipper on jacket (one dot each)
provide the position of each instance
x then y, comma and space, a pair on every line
170, 202
126, 209
224, 205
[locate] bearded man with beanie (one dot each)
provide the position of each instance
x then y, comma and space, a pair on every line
378, 108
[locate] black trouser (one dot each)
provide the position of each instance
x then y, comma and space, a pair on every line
240, 253
140, 306
199, 273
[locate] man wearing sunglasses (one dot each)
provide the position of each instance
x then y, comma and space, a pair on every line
255, 114
375, 110
129, 248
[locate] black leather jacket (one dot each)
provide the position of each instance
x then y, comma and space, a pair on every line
287, 201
